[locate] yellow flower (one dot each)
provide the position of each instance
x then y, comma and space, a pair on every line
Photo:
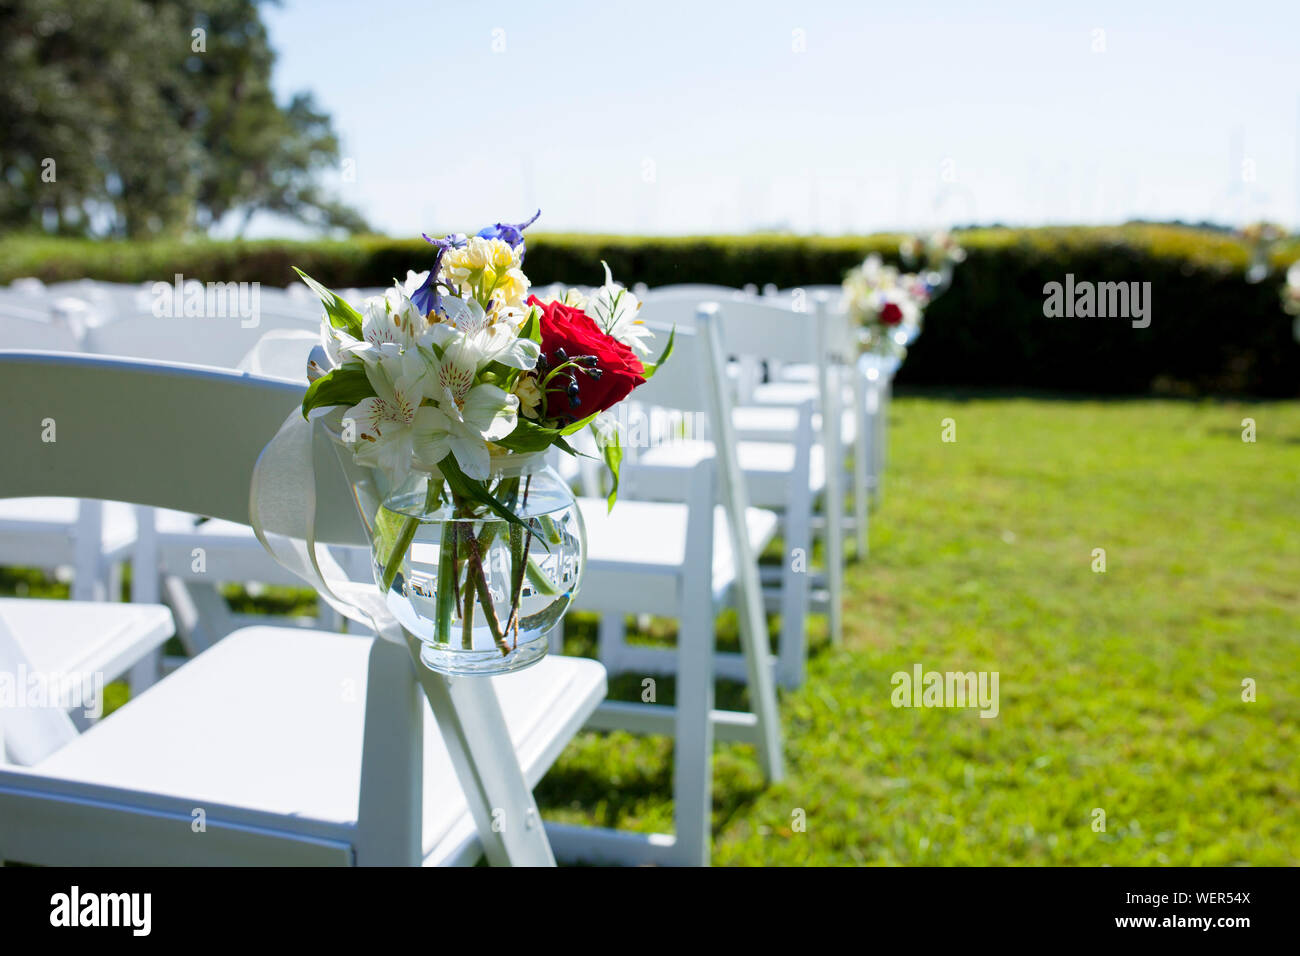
503, 257
511, 287
488, 269
529, 394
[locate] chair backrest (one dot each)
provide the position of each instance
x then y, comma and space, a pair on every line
20, 331
699, 291
171, 436
680, 382
676, 305
694, 380
754, 328
24, 303
188, 438
213, 342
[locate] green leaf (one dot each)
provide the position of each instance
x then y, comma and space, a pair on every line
346, 385
668, 350
529, 436
466, 487
387, 525
341, 315
532, 326
612, 452
575, 427
565, 447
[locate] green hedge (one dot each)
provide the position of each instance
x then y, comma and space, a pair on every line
1210, 332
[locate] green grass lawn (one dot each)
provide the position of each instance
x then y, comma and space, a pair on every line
1119, 691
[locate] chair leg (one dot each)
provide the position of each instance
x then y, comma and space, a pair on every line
205, 617
390, 819
610, 640
113, 575
795, 570
693, 746
145, 672
478, 741
880, 437
88, 582
834, 521
861, 451
794, 613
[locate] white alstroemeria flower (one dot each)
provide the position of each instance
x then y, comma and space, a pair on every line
468, 416
556, 292
329, 354
390, 323
614, 309
413, 282
385, 424
493, 336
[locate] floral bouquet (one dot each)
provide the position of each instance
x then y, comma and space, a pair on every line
1260, 236
887, 304
935, 255
1291, 290
1291, 297
447, 391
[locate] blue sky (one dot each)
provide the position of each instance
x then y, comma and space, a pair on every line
671, 117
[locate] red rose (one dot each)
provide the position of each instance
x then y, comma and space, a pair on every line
605, 369
891, 314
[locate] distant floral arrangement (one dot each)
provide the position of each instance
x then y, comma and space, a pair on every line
1260, 236
1291, 290
887, 304
932, 251
1264, 232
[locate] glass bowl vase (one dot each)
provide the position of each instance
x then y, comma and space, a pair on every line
480, 592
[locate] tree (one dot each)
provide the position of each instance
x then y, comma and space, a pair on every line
152, 117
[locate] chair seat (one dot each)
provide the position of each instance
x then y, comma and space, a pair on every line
635, 554
785, 393
778, 423
20, 517
767, 466
797, 372
272, 719
83, 637
231, 551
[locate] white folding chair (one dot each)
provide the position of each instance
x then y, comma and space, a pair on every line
194, 557
786, 476
91, 537
686, 558
756, 331
871, 379
212, 342
82, 642
278, 745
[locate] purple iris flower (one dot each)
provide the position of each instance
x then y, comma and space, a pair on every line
512, 234
427, 298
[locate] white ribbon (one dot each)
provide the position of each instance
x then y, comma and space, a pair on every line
282, 511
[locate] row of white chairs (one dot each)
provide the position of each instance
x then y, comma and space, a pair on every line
77, 795
617, 586
96, 538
